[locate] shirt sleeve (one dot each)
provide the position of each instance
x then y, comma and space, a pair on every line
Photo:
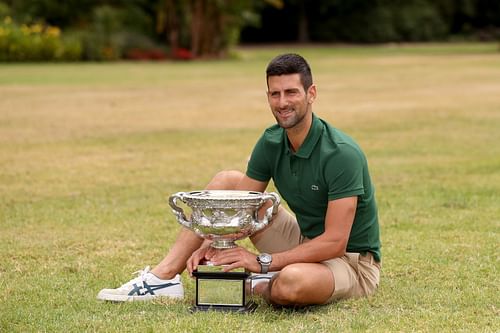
258, 167
345, 173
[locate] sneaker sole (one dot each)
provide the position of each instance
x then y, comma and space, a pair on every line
126, 298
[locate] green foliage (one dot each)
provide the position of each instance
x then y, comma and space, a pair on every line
54, 12
112, 34
4, 10
111, 29
102, 40
377, 21
380, 21
35, 43
419, 21
238, 14
207, 28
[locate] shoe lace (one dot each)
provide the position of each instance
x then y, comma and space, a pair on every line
141, 277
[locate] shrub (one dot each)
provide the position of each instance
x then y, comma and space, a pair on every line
35, 42
140, 47
109, 38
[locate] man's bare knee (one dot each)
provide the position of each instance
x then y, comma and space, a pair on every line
225, 180
295, 285
286, 289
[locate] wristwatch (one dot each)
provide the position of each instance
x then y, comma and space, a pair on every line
264, 259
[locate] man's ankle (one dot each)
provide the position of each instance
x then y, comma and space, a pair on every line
163, 274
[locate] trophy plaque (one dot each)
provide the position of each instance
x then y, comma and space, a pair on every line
223, 216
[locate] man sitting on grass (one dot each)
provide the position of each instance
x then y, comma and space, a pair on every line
329, 249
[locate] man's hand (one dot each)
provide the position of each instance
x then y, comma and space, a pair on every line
235, 258
205, 252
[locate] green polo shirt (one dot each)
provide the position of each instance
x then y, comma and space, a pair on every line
328, 166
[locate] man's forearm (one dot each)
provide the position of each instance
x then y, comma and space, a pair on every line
313, 251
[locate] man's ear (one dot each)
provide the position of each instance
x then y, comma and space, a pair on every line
311, 93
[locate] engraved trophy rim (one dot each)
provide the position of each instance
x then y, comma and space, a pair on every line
223, 199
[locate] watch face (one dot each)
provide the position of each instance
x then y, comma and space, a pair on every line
265, 258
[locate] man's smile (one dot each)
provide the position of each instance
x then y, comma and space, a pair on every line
285, 113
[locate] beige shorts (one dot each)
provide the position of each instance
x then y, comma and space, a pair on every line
355, 275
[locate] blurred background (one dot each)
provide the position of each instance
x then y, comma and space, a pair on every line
106, 30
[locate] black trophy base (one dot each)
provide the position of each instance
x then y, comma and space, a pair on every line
217, 290
248, 308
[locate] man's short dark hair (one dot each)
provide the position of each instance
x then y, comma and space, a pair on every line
290, 63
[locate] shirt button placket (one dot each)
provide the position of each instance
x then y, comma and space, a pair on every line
294, 170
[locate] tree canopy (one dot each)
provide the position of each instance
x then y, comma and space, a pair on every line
111, 29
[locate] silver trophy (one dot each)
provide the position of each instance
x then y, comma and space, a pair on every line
223, 216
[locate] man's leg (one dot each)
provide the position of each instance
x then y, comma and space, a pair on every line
175, 261
164, 279
187, 242
296, 284
299, 284
352, 275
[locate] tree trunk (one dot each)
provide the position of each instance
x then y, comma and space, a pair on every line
206, 28
197, 9
303, 24
168, 23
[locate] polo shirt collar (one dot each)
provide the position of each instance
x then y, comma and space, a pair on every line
309, 143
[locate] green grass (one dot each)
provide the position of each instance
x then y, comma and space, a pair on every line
89, 153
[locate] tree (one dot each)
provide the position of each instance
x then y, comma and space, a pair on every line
208, 28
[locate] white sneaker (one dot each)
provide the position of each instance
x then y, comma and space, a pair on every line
143, 288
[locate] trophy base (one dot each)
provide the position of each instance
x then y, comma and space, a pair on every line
217, 290
248, 308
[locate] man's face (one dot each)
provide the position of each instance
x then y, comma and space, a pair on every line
288, 100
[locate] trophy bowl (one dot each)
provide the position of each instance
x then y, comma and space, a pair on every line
224, 216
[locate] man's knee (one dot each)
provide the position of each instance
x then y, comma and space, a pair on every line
302, 284
225, 180
288, 286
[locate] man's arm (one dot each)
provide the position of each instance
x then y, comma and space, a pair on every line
248, 184
331, 244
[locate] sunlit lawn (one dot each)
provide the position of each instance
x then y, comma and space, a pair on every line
89, 153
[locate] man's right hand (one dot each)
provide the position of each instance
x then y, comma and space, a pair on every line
204, 253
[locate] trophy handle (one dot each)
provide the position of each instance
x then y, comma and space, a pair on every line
275, 198
178, 211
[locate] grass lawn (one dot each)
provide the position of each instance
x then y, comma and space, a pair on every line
89, 154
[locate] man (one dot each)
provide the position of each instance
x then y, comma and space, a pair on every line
330, 248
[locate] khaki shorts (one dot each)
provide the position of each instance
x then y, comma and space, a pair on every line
355, 275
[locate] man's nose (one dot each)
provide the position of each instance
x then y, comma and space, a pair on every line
283, 102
